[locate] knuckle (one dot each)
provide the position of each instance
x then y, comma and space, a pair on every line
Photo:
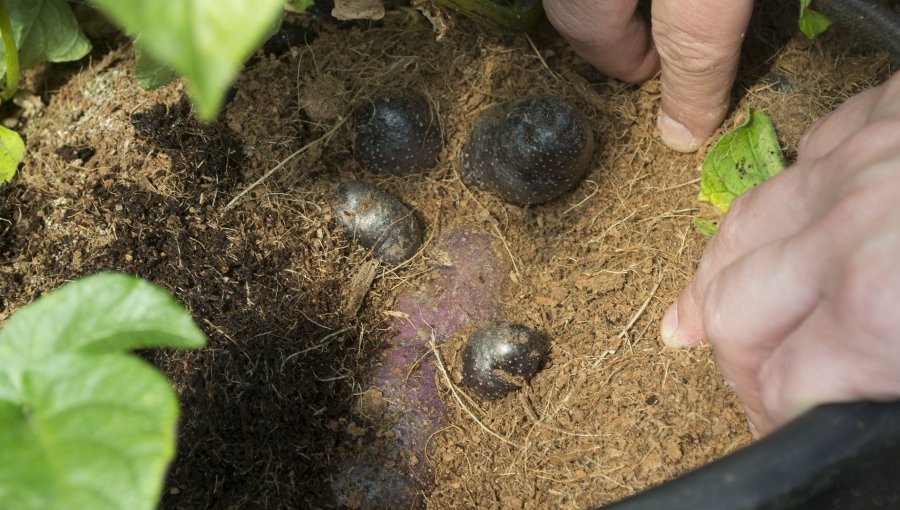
871, 141
728, 237
863, 199
868, 294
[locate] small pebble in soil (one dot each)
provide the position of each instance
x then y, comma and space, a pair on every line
498, 358
378, 220
398, 134
779, 82
528, 150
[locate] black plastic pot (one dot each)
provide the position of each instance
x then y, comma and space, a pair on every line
874, 23
835, 457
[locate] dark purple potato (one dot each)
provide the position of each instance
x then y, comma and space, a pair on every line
378, 221
466, 290
374, 480
529, 150
499, 357
398, 134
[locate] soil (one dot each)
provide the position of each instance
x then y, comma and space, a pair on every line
233, 219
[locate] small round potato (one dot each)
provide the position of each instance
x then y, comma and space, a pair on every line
498, 358
379, 221
398, 134
529, 150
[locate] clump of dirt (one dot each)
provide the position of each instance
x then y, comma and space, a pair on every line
203, 154
233, 219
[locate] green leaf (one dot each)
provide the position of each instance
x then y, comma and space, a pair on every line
741, 159
87, 432
44, 30
104, 313
812, 23
150, 73
300, 5
706, 228
12, 151
206, 41
84, 424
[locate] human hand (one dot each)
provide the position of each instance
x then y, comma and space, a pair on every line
696, 43
799, 291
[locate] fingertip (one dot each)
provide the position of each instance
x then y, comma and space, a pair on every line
676, 135
699, 49
669, 327
676, 331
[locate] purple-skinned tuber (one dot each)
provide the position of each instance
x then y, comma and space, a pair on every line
397, 133
528, 150
467, 290
499, 357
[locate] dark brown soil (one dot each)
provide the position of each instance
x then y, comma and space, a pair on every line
232, 218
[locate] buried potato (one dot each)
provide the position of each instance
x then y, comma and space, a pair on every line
398, 134
378, 220
465, 291
529, 150
499, 358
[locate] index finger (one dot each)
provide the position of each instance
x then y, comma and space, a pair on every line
775, 210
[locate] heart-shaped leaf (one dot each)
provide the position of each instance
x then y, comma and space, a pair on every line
84, 423
44, 30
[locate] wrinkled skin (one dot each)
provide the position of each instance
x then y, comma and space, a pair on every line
466, 291
798, 293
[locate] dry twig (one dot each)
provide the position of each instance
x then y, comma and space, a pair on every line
322, 139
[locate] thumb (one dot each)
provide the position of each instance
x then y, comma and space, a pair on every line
699, 44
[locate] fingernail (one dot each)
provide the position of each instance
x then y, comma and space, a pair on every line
669, 326
753, 430
675, 135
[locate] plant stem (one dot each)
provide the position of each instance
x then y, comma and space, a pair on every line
12, 54
520, 15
